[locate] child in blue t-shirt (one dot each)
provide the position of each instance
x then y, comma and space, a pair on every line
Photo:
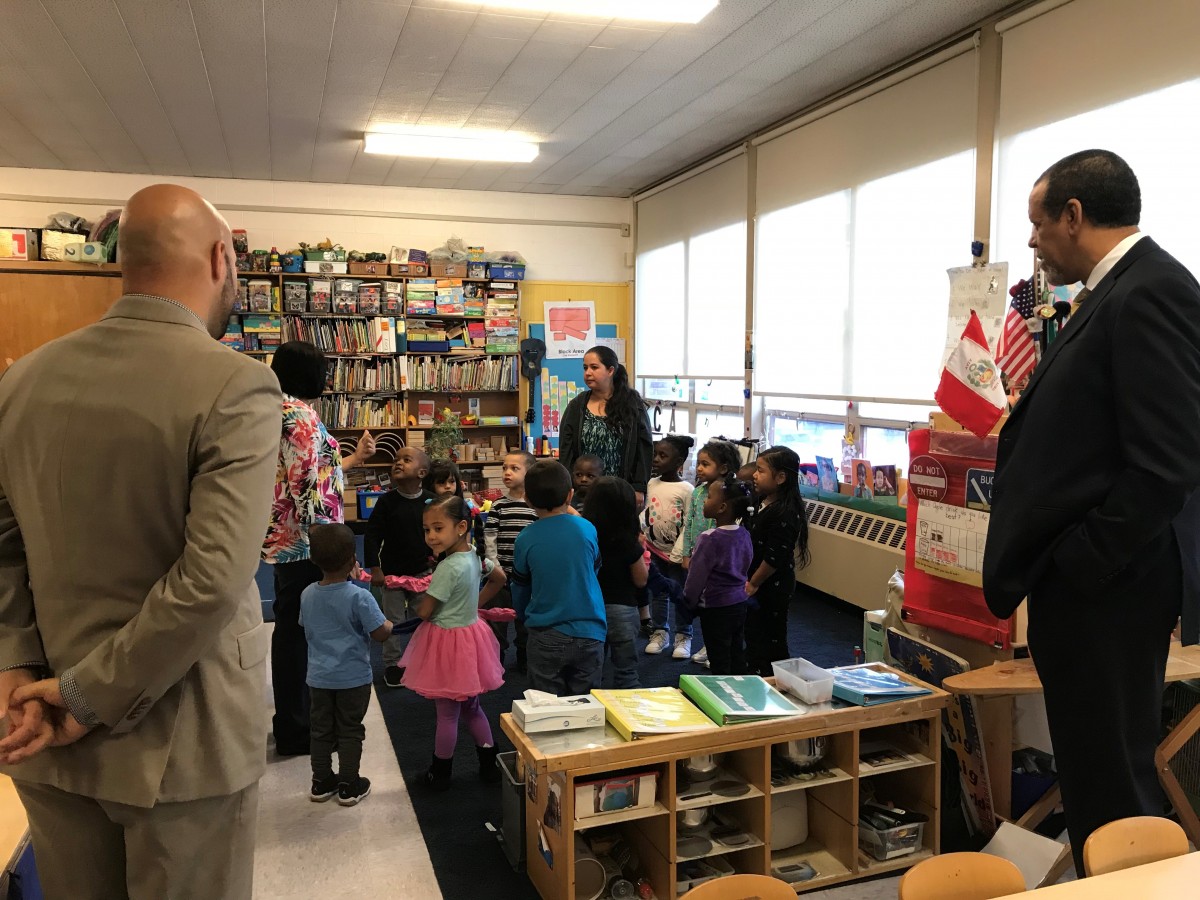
555, 590
339, 620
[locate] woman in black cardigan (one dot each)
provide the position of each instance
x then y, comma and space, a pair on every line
609, 419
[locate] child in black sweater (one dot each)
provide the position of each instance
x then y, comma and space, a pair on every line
395, 545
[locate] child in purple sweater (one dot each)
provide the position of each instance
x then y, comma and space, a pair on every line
716, 578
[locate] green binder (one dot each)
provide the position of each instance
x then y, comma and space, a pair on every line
732, 699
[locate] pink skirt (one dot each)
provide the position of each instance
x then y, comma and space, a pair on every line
452, 663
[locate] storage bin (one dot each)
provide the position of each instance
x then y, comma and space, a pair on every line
325, 255
368, 268
512, 810
506, 271
367, 501
802, 679
324, 267
889, 843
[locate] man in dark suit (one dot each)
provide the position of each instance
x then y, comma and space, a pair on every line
1095, 513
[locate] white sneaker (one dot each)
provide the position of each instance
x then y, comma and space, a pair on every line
658, 641
683, 647
701, 657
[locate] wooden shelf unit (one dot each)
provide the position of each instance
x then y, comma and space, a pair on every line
492, 402
745, 753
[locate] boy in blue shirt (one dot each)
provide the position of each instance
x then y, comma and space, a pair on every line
339, 619
554, 587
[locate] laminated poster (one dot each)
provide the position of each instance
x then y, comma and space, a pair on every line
570, 329
983, 289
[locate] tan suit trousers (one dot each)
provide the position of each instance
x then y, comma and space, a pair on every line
90, 849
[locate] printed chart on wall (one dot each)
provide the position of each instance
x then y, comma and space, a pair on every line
561, 380
950, 542
570, 329
983, 289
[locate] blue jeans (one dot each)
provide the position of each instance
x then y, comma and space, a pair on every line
563, 665
665, 586
623, 625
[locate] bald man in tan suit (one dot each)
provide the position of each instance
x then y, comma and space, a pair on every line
135, 480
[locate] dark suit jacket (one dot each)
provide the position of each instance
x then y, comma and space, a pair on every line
1099, 462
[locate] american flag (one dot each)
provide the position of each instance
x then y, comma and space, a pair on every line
1019, 353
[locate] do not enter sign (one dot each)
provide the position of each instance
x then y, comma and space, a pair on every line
927, 478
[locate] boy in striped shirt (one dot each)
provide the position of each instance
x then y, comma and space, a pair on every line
507, 517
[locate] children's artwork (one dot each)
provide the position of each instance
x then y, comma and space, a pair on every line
827, 475
570, 329
809, 475
983, 289
860, 477
884, 482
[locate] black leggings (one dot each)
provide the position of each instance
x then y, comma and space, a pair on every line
766, 627
289, 657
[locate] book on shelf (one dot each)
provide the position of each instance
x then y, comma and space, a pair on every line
342, 411
232, 337
641, 712
879, 756
383, 334
730, 699
379, 374
425, 412
868, 685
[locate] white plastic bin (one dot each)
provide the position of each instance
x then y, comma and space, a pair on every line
799, 677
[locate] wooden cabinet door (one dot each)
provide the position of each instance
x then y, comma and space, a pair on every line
37, 308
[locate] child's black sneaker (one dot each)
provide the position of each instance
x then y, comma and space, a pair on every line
354, 792
323, 789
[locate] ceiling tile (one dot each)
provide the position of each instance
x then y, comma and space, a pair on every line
165, 41
101, 45
284, 89
364, 44
233, 43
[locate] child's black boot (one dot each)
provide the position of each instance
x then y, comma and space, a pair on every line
489, 769
438, 776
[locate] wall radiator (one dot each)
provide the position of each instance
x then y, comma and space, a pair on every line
853, 553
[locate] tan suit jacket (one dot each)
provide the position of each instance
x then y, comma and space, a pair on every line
137, 460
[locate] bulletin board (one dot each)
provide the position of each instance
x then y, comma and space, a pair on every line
561, 380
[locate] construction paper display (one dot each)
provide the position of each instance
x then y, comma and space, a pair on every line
560, 381
947, 530
570, 329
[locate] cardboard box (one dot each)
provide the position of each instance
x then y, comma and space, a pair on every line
85, 252
18, 243
444, 269
368, 268
314, 267
614, 793
568, 714
410, 270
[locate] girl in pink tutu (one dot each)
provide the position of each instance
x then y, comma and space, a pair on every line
453, 657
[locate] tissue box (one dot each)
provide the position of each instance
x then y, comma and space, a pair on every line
566, 714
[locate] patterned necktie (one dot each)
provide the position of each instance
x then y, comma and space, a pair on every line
1079, 300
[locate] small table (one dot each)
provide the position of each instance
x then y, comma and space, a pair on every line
1018, 676
1168, 879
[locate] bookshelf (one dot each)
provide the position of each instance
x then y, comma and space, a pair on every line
401, 348
551, 764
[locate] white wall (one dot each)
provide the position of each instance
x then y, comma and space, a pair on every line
562, 238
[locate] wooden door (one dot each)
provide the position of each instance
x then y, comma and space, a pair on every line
38, 307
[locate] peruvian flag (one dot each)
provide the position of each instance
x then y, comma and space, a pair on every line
970, 391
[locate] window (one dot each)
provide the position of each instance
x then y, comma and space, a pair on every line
691, 284
808, 437
851, 292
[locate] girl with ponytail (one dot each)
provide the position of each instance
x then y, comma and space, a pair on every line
779, 533
608, 419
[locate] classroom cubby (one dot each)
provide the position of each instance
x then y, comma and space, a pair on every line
738, 790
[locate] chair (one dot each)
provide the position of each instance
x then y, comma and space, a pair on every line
962, 876
1132, 842
742, 887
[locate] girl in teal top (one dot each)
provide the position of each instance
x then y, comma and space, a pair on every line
453, 656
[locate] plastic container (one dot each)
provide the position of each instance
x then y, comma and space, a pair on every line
889, 843
802, 679
512, 810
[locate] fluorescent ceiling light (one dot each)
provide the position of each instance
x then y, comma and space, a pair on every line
690, 11
484, 148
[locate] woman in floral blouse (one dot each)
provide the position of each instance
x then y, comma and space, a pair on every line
308, 491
